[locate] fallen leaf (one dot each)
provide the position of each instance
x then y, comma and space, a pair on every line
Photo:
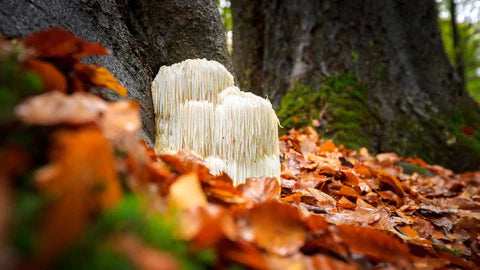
98, 76
58, 42
346, 204
348, 192
276, 227
376, 245
260, 189
327, 147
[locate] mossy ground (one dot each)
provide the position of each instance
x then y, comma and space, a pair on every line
344, 113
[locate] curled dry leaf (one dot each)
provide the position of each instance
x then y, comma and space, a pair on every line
98, 76
260, 189
392, 182
275, 227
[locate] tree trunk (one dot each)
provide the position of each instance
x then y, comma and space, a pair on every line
143, 35
370, 73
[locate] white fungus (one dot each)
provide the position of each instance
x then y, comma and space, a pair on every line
198, 108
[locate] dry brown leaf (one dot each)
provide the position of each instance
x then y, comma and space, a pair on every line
346, 204
348, 192
98, 76
376, 245
58, 42
260, 189
327, 147
276, 227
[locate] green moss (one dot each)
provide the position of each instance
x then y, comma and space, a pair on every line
438, 140
340, 103
348, 116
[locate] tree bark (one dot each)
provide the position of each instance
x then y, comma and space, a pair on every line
142, 34
393, 48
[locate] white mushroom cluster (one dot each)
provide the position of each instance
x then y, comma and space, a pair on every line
198, 108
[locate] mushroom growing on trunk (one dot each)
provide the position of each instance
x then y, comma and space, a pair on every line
198, 108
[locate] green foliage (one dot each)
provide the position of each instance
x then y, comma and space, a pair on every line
131, 218
15, 84
27, 211
469, 34
226, 14
409, 168
340, 105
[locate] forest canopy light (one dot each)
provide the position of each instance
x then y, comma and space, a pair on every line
198, 108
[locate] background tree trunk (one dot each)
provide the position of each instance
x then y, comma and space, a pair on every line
370, 73
142, 34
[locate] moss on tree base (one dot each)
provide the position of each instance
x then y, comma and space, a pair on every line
340, 110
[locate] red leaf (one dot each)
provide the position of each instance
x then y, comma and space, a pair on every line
468, 130
58, 42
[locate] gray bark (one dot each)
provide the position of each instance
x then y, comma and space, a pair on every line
394, 47
142, 34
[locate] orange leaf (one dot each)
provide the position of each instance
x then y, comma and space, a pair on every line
391, 181
98, 76
82, 180
350, 178
348, 192
409, 231
346, 204
260, 189
52, 78
58, 42
327, 147
277, 227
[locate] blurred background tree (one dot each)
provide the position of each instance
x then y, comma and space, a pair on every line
467, 50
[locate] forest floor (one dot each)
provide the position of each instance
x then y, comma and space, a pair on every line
78, 190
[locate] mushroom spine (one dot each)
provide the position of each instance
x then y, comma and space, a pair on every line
198, 108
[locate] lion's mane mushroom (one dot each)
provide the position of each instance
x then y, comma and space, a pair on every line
198, 108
